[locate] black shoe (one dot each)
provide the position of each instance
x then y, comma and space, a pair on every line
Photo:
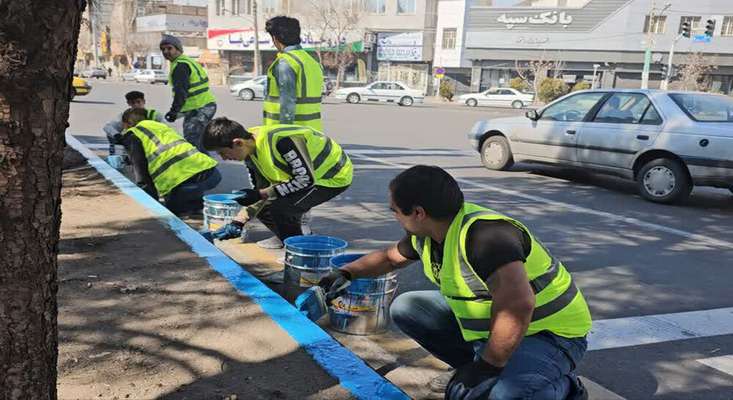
577, 390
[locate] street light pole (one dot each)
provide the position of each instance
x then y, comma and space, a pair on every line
595, 71
665, 82
650, 44
256, 60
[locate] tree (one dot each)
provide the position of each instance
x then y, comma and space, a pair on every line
694, 73
335, 20
447, 90
551, 88
519, 84
536, 71
38, 43
582, 85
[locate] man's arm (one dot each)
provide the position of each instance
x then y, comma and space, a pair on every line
511, 312
286, 86
378, 263
140, 165
180, 86
113, 128
295, 153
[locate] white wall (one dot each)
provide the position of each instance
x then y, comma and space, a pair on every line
451, 14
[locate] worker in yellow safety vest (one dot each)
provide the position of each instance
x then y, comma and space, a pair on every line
293, 168
294, 79
508, 316
192, 96
165, 164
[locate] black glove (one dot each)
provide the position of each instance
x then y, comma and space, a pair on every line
247, 197
171, 116
335, 283
472, 381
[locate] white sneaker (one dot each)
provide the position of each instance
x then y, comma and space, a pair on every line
271, 243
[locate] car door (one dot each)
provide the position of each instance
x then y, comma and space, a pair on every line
489, 98
375, 91
552, 137
397, 92
625, 124
505, 97
259, 86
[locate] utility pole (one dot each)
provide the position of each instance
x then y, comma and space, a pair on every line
256, 60
93, 30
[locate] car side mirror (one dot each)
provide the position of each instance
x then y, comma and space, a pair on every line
532, 114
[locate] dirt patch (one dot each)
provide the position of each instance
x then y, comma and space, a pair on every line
140, 316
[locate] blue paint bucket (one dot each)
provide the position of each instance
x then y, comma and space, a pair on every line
308, 259
116, 161
219, 210
364, 308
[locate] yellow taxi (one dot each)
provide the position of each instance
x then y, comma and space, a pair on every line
80, 87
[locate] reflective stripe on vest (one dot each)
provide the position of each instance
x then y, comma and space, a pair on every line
560, 307
199, 93
151, 114
308, 88
331, 166
171, 159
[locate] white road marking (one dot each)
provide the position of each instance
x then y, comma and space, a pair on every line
598, 392
723, 364
575, 208
649, 329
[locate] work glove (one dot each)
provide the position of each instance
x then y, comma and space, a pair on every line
472, 381
171, 116
335, 283
247, 197
229, 231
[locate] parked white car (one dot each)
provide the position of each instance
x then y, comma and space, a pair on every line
498, 97
251, 89
387, 91
667, 142
152, 76
130, 75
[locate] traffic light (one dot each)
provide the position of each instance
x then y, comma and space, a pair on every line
686, 29
710, 27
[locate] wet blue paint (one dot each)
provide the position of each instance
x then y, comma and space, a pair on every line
351, 372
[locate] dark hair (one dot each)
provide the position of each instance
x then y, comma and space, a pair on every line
133, 116
429, 187
221, 132
285, 29
134, 95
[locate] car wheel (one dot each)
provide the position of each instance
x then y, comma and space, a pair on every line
471, 102
664, 180
353, 98
406, 101
517, 104
247, 94
496, 154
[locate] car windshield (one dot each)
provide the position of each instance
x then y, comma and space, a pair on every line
705, 107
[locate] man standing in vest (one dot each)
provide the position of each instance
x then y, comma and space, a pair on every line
294, 79
192, 96
167, 165
294, 168
508, 316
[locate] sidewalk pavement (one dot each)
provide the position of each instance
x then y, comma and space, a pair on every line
142, 315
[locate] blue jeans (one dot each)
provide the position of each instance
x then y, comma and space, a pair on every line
188, 196
194, 125
542, 367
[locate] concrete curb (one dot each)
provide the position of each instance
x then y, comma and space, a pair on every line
349, 370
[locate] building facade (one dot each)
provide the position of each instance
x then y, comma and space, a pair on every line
605, 37
388, 39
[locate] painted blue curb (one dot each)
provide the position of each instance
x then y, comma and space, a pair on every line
351, 371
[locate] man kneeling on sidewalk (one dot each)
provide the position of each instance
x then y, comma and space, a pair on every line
166, 164
293, 168
508, 316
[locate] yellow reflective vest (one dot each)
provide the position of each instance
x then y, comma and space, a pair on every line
199, 93
560, 307
308, 89
331, 166
171, 158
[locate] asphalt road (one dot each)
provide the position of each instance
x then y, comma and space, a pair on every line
633, 259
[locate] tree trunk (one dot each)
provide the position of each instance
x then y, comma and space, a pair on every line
38, 42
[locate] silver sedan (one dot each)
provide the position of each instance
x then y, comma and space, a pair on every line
665, 141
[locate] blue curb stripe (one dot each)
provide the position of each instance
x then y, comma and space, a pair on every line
351, 371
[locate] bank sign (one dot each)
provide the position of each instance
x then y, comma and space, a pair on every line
399, 46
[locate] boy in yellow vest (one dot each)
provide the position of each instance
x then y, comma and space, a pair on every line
293, 168
508, 316
166, 165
